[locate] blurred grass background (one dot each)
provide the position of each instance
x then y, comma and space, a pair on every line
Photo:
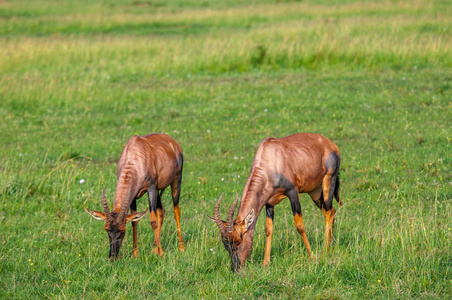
78, 78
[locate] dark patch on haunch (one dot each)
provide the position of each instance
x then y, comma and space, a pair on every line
333, 162
180, 160
332, 166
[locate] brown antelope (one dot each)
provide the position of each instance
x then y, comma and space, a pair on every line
285, 167
147, 164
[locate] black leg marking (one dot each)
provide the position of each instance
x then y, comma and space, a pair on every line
153, 197
159, 199
133, 205
270, 211
294, 201
175, 190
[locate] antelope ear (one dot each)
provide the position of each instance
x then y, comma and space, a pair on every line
249, 219
97, 214
135, 216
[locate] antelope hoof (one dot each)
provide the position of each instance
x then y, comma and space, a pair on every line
327, 244
182, 248
312, 257
158, 251
135, 254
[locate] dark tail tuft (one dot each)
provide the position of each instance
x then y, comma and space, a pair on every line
336, 190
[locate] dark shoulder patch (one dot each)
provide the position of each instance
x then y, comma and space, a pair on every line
280, 181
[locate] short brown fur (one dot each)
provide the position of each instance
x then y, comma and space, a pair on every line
300, 163
147, 164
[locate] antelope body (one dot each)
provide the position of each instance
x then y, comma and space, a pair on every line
299, 163
147, 164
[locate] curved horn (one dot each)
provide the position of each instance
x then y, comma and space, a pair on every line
230, 221
217, 218
105, 205
104, 202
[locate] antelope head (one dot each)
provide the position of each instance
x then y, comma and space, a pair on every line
235, 236
115, 223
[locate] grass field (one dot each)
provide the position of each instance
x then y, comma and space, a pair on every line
79, 78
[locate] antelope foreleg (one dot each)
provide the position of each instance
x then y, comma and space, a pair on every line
155, 223
133, 209
268, 233
156, 217
298, 220
135, 252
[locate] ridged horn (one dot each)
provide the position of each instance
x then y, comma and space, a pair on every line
104, 202
229, 220
106, 209
217, 218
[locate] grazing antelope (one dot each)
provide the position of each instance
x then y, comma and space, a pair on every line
147, 164
285, 167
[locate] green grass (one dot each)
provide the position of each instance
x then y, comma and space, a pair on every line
78, 78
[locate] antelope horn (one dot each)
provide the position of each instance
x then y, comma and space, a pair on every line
104, 202
106, 209
217, 218
230, 221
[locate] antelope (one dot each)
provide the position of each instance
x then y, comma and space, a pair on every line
299, 163
147, 164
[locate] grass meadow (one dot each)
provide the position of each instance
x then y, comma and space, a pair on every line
79, 78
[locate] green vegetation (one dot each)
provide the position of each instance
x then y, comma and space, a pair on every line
79, 78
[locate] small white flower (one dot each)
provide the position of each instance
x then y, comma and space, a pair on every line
222, 179
238, 176
208, 130
265, 110
404, 78
235, 157
82, 181
108, 77
211, 249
